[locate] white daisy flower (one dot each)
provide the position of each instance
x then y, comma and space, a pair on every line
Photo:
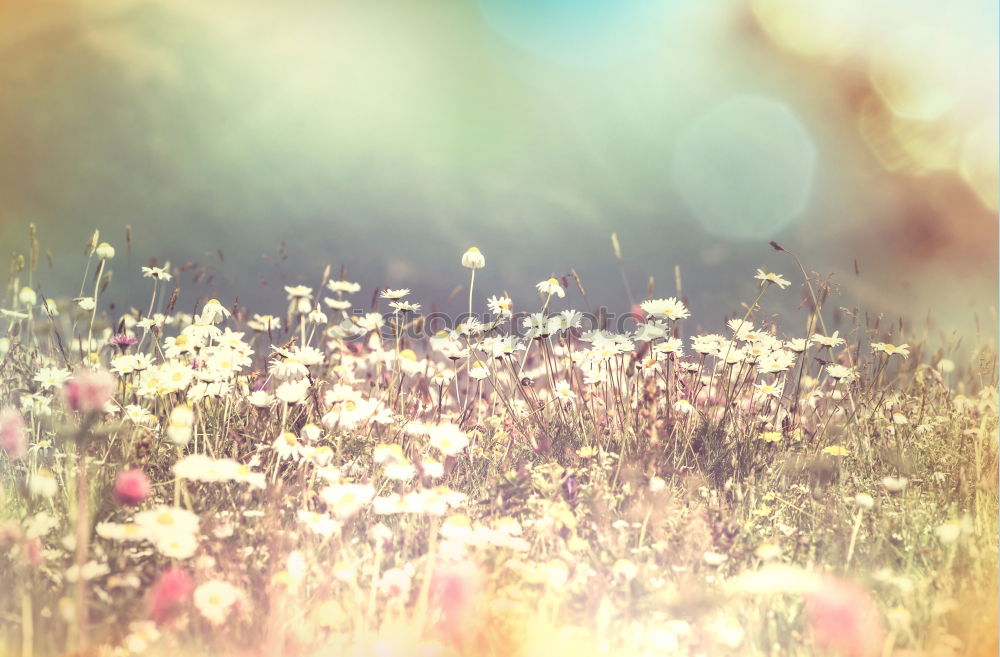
551, 287
388, 293
343, 286
670, 308
768, 277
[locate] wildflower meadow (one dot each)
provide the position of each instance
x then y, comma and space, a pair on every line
344, 472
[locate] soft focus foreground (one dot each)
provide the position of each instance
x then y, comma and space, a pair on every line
332, 482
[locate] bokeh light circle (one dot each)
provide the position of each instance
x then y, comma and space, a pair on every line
745, 168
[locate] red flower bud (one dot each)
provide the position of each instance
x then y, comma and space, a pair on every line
170, 590
12, 434
131, 487
89, 391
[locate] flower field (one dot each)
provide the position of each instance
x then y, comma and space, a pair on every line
349, 477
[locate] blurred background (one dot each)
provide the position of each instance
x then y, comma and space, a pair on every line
388, 137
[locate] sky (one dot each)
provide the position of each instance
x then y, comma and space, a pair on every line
386, 138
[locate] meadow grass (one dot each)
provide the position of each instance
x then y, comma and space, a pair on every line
329, 482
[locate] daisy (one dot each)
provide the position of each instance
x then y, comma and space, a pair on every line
776, 361
52, 377
394, 582
502, 306
473, 259
307, 355
130, 363
317, 316
706, 344
387, 505
742, 329
452, 350
479, 371
550, 287
669, 308
683, 406
214, 600
891, 350
138, 414
404, 306
832, 341
371, 321
292, 392
337, 304
111, 531
536, 325
670, 346
564, 392
433, 469
300, 298
350, 412
772, 278
43, 484
260, 399
839, 372
201, 331
389, 453
894, 484
318, 523
470, 326
400, 471
166, 521
649, 366
264, 323
343, 286
769, 390
388, 293
798, 345
733, 356
298, 292
649, 331
177, 546
199, 467
448, 439
345, 500
286, 446
159, 273
104, 251
213, 312
568, 319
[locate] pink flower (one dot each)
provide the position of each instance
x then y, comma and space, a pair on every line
33, 552
170, 590
844, 618
457, 588
12, 432
89, 391
131, 487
